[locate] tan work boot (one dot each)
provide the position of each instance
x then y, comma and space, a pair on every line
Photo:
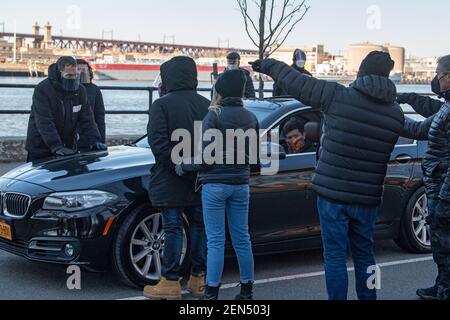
196, 286
164, 290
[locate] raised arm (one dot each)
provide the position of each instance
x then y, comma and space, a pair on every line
417, 130
308, 90
425, 106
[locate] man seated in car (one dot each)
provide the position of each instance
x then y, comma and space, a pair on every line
296, 141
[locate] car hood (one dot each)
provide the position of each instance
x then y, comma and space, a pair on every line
85, 171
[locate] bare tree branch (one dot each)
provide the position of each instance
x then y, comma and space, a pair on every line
275, 24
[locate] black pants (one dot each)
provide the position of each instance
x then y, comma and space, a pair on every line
440, 243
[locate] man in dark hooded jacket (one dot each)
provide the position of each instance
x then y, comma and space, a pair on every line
178, 109
60, 105
436, 170
361, 126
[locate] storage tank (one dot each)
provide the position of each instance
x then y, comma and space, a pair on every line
357, 53
398, 55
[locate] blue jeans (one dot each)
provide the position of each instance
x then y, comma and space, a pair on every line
343, 227
232, 201
173, 246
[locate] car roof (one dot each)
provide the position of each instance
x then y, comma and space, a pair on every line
278, 108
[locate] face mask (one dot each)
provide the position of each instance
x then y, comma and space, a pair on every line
300, 64
233, 67
70, 83
297, 145
436, 88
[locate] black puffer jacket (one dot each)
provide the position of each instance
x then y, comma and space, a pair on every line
437, 159
425, 106
230, 116
417, 130
362, 124
278, 90
178, 109
55, 117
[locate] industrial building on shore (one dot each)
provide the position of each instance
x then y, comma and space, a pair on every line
30, 54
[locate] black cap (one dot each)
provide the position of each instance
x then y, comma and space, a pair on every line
234, 56
376, 63
231, 84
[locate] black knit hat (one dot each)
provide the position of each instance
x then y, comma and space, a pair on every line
231, 84
376, 63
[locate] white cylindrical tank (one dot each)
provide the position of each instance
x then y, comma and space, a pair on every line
398, 55
357, 53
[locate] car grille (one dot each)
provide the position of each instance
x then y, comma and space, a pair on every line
15, 205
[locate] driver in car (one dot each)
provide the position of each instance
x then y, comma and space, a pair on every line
296, 140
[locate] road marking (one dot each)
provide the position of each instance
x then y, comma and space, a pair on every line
306, 275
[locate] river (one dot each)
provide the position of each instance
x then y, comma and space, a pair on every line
20, 99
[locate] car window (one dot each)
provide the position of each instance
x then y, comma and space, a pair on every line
142, 143
305, 117
405, 141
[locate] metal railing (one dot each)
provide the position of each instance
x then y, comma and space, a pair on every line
150, 90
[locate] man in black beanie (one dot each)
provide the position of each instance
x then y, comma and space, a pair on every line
362, 124
231, 84
376, 63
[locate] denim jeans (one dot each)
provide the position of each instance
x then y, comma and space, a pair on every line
347, 227
173, 246
232, 202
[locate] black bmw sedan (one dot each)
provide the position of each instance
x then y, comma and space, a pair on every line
93, 209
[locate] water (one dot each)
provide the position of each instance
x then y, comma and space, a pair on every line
21, 99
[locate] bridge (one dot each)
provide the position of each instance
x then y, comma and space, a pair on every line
77, 43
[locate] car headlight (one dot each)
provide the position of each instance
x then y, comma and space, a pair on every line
77, 200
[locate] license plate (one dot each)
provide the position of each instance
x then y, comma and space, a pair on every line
5, 231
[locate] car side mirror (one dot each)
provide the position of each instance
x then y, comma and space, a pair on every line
313, 132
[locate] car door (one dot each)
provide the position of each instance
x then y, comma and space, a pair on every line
404, 160
283, 206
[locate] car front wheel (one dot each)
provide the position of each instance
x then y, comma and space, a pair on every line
138, 247
414, 234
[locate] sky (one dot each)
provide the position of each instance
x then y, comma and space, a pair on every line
419, 26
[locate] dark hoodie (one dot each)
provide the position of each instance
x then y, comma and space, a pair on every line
178, 109
362, 124
55, 116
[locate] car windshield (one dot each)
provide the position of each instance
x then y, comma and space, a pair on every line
260, 112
